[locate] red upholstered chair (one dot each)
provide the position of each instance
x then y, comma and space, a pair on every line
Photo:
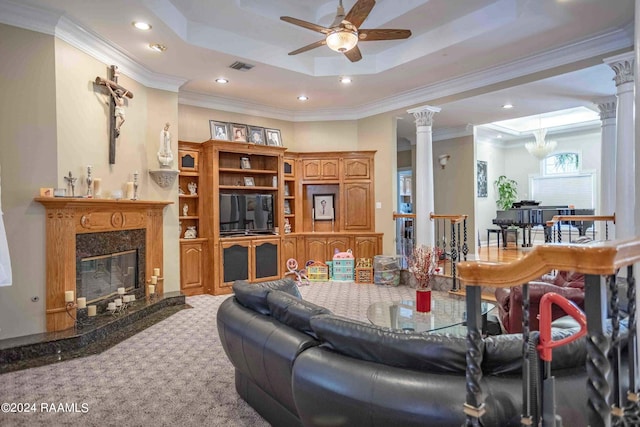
569, 285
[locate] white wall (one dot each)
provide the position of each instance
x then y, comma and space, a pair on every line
485, 208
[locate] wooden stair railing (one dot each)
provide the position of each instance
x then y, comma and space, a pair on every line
600, 262
558, 220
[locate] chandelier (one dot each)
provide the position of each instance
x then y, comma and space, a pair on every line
540, 148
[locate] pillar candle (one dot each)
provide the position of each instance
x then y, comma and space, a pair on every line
91, 310
154, 280
118, 302
152, 289
111, 306
120, 291
156, 272
82, 302
132, 298
97, 187
130, 190
125, 298
68, 296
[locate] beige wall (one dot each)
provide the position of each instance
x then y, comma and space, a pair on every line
404, 159
455, 185
55, 120
28, 157
325, 136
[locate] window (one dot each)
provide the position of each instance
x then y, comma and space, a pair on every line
561, 163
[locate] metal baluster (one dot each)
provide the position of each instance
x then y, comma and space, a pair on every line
527, 416
632, 411
606, 230
598, 367
454, 257
616, 408
465, 247
559, 232
474, 405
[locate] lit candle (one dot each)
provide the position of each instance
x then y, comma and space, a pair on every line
154, 280
68, 296
97, 188
156, 272
118, 302
130, 190
125, 298
111, 306
82, 302
152, 289
120, 291
91, 310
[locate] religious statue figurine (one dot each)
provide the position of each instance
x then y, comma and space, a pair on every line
287, 226
193, 187
165, 156
191, 232
185, 210
71, 180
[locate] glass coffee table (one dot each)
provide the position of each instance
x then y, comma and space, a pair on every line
447, 315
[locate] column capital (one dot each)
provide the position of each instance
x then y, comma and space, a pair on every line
623, 65
424, 114
607, 106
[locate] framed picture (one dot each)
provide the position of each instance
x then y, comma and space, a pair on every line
256, 135
219, 130
245, 163
238, 132
286, 189
287, 208
248, 181
482, 178
323, 209
273, 137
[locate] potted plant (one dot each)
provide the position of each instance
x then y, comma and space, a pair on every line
507, 192
423, 263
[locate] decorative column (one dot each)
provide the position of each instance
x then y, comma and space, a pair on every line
625, 140
607, 107
425, 205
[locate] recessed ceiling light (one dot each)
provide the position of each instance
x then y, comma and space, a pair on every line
141, 25
158, 47
222, 80
499, 136
345, 80
507, 106
303, 98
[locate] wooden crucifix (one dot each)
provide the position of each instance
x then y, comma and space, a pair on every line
116, 107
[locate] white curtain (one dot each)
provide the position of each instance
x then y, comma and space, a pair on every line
5, 261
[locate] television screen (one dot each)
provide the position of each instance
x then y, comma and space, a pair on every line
244, 213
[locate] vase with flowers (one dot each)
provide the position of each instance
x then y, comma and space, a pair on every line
423, 263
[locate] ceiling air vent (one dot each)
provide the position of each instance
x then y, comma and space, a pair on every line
241, 66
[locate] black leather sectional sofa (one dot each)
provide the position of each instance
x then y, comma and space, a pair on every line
298, 364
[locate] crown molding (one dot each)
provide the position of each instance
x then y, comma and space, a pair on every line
53, 23
453, 132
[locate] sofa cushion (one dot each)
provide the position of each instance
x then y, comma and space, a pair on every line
403, 349
293, 311
254, 295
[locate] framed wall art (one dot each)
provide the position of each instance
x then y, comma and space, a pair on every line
238, 132
273, 137
323, 209
256, 135
219, 130
482, 178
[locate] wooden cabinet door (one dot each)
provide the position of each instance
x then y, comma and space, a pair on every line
358, 210
356, 169
265, 259
311, 169
315, 249
341, 243
191, 268
290, 250
329, 169
366, 247
235, 262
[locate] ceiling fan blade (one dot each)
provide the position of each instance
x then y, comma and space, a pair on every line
308, 25
359, 12
383, 34
354, 54
309, 47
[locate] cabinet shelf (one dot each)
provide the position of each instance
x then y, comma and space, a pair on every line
189, 173
246, 187
249, 171
189, 196
189, 217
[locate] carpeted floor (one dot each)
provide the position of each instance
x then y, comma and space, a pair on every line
173, 373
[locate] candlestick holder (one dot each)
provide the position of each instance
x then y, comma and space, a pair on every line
70, 306
89, 181
135, 185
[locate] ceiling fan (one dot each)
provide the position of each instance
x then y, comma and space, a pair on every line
344, 33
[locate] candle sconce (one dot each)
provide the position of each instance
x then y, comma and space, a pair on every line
69, 306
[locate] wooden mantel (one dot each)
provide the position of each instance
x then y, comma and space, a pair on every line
66, 217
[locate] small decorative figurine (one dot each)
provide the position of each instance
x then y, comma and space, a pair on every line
71, 180
193, 187
191, 232
89, 181
165, 156
180, 190
287, 226
185, 210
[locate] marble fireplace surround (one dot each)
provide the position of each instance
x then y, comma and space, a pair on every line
66, 217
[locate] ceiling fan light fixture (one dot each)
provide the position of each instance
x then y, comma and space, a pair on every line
345, 80
157, 47
342, 39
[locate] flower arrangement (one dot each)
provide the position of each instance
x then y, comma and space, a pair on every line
423, 263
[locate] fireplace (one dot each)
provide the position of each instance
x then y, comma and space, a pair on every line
85, 234
108, 261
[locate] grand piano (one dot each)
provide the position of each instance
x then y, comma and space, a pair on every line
526, 214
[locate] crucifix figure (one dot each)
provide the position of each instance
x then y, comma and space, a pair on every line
116, 108
71, 180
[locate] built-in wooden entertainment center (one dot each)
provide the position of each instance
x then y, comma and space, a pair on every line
270, 186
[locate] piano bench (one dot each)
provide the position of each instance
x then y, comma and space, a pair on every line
496, 231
